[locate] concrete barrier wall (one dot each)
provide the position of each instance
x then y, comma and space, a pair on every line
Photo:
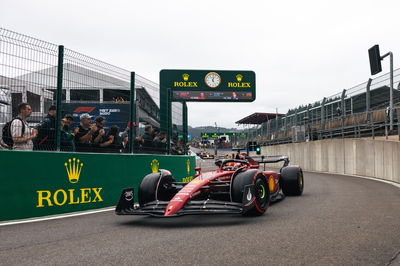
372, 158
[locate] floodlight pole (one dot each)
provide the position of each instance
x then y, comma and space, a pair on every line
390, 54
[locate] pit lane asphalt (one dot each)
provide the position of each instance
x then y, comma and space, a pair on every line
339, 220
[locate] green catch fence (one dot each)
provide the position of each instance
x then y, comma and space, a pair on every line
65, 89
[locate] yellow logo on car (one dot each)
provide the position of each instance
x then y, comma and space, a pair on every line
271, 183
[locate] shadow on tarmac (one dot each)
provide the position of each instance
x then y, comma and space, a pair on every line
206, 220
193, 221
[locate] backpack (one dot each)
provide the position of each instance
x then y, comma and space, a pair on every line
6, 134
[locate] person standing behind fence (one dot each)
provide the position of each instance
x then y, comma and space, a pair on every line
148, 137
67, 136
160, 142
83, 134
99, 135
111, 143
22, 134
46, 139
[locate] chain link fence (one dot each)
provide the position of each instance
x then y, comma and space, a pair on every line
75, 103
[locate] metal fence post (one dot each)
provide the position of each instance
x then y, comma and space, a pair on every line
390, 54
60, 69
322, 118
391, 92
132, 119
343, 111
398, 121
367, 106
169, 120
185, 126
285, 124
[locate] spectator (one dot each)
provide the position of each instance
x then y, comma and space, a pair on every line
46, 139
83, 134
148, 137
160, 142
21, 133
99, 134
156, 131
176, 147
137, 144
67, 136
111, 142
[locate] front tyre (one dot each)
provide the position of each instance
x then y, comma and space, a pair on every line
156, 186
261, 191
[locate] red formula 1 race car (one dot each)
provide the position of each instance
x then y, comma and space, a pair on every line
236, 187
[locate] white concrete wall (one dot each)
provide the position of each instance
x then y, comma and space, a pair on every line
372, 158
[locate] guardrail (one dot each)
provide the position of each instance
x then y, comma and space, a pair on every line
371, 124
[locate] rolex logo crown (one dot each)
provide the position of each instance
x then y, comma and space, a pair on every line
74, 167
239, 77
185, 77
188, 166
154, 166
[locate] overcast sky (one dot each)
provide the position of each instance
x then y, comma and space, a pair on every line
301, 51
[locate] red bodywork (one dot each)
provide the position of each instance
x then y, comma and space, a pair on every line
193, 188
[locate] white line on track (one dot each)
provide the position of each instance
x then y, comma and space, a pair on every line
47, 218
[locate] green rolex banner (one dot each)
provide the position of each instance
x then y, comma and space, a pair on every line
38, 184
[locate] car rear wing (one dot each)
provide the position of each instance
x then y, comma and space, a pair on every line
273, 159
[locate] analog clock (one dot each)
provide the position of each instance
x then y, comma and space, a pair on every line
212, 79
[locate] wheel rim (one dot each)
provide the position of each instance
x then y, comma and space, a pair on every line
261, 191
262, 197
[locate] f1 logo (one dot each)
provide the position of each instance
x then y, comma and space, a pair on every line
84, 109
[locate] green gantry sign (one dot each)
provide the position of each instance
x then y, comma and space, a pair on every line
185, 85
210, 85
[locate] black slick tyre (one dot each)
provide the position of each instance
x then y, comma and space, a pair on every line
156, 186
292, 181
261, 188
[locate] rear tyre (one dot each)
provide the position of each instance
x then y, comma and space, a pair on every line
261, 188
156, 186
292, 181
